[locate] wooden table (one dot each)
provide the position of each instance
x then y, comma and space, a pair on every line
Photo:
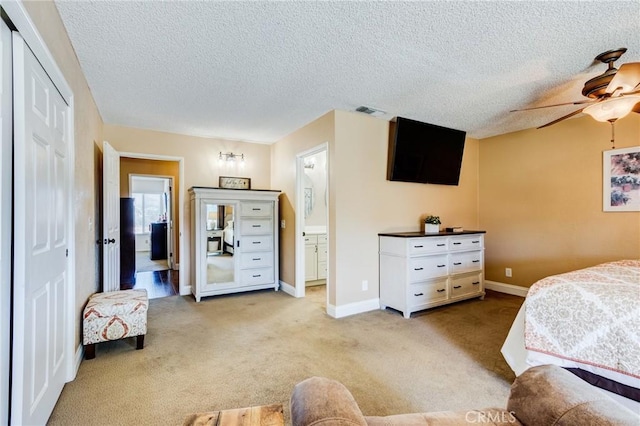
263, 415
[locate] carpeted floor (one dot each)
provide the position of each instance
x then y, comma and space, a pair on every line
251, 349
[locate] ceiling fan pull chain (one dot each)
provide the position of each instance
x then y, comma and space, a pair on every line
613, 135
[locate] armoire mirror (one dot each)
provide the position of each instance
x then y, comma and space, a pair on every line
220, 243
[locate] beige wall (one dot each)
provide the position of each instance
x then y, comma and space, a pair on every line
140, 166
362, 202
88, 134
200, 164
541, 200
365, 203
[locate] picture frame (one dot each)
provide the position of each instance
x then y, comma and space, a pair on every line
230, 182
621, 180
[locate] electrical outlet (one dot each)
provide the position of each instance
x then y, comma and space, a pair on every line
507, 272
365, 285
283, 224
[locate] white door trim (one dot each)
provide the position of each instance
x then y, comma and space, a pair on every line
299, 225
19, 17
6, 150
185, 289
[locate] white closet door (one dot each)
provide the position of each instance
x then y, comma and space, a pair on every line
111, 218
41, 266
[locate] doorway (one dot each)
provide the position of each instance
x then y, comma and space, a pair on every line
153, 186
312, 220
152, 212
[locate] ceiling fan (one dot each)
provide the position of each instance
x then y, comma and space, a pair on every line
612, 94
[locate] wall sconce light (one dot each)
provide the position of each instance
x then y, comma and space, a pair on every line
309, 163
230, 157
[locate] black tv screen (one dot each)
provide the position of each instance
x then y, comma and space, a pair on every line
424, 153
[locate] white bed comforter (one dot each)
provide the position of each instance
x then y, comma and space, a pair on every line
591, 316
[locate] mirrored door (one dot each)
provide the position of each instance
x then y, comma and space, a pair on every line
220, 242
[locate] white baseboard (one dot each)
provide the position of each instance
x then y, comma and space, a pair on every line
77, 361
515, 290
353, 308
185, 290
288, 288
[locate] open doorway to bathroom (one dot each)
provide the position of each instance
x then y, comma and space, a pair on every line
312, 221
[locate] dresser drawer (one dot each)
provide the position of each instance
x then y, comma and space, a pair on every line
311, 239
465, 262
256, 276
256, 243
322, 238
256, 260
422, 268
427, 245
256, 226
256, 209
473, 242
466, 284
425, 293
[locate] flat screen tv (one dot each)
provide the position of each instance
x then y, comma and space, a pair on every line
424, 153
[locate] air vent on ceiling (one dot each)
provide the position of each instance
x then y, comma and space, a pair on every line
370, 111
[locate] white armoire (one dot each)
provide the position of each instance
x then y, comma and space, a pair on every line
234, 240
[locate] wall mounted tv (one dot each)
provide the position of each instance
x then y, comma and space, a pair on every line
424, 153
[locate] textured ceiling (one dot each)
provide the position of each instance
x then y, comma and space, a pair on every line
257, 70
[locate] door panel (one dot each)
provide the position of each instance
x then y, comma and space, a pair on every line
111, 218
41, 179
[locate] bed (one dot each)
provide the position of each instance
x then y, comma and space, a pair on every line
587, 321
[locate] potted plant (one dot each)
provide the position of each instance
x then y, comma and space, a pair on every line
431, 224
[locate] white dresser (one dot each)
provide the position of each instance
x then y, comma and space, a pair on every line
420, 271
234, 240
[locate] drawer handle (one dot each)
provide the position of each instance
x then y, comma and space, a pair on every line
475, 242
418, 294
256, 209
256, 226
256, 242
440, 290
475, 282
256, 258
418, 246
418, 269
441, 266
456, 244
440, 245
457, 263
476, 261
256, 276
457, 286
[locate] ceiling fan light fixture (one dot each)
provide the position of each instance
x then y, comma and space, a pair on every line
612, 109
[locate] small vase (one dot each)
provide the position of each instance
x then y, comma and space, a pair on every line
430, 228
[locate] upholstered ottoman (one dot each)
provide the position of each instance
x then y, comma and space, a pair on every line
114, 315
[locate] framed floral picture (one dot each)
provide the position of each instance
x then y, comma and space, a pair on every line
621, 184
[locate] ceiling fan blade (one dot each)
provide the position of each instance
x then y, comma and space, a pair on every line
627, 78
562, 118
586, 101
